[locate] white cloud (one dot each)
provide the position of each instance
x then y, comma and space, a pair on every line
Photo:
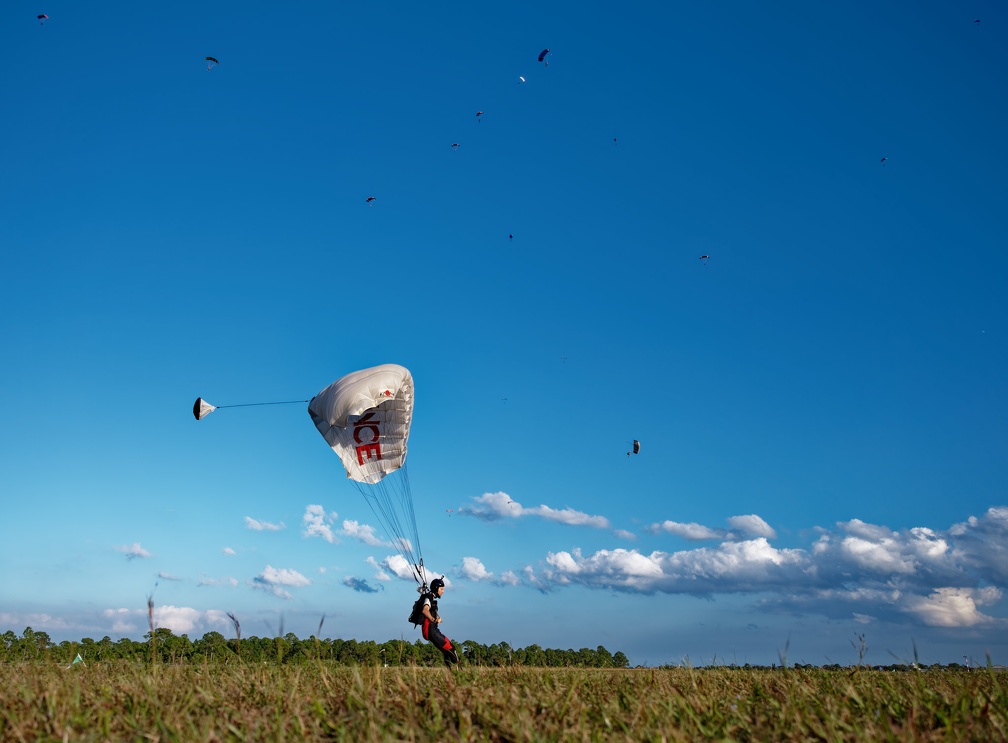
497, 506
493, 506
254, 525
692, 531
168, 576
272, 580
858, 571
953, 607
10, 620
474, 570
179, 619
568, 516
397, 565
125, 620
132, 551
317, 521
363, 533
228, 551
380, 573
752, 525
624, 534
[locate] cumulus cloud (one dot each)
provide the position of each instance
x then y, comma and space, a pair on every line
179, 619
474, 570
33, 619
255, 525
273, 581
953, 607
228, 551
360, 585
856, 570
397, 565
317, 523
380, 573
624, 534
752, 525
749, 526
498, 506
133, 551
363, 533
692, 531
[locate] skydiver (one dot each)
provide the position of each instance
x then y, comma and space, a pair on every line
431, 621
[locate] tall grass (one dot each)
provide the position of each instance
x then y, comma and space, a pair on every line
117, 701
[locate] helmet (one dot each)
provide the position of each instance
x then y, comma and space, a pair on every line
436, 584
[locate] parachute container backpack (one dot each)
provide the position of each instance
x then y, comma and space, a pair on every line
365, 417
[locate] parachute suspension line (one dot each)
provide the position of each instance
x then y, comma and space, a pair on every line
391, 501
382, 497
254, 404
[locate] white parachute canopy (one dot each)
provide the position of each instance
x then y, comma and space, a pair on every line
365, 417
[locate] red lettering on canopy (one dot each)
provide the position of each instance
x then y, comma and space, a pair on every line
363, 423
372, 450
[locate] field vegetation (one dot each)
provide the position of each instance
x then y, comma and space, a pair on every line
320, 700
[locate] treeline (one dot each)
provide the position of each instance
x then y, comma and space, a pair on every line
163, 646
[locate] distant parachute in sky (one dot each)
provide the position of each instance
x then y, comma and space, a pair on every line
478, 115
42, 18
520, 79
883, 160
455, 145
635, 449
705, 258
211, 62
542, 56
370, 200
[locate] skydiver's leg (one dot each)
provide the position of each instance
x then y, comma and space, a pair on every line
442, 643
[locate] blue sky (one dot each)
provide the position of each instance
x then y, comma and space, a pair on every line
821, 404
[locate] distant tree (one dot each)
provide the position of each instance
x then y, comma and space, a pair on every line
104, 649
212, 647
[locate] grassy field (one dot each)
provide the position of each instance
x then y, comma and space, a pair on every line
123, 701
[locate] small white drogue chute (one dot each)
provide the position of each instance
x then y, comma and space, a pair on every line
201, 408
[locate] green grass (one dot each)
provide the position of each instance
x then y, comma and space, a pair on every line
125, 701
